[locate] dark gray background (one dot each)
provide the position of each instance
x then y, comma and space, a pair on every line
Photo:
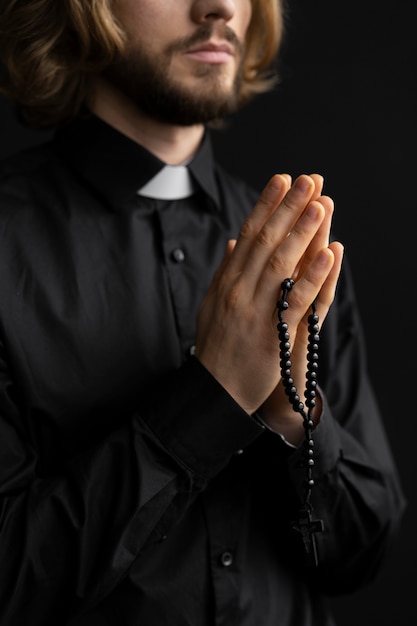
346, 108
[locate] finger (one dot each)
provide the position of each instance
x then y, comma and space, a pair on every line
328, 290
309, 285
286, 258
318, 182
288, 178
318, 283
271, 196
321, 238
252, 253
272, 218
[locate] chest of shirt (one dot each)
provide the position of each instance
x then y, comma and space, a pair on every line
96, 304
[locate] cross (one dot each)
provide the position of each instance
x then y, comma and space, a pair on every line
307, 527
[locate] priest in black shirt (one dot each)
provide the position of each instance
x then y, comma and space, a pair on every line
156, 466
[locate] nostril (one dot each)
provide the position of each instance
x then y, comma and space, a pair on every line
212, 10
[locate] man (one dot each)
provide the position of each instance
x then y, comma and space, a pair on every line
152, 457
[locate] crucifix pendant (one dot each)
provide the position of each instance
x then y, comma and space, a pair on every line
307, 527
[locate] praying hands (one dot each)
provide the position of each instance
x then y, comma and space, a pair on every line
287, 234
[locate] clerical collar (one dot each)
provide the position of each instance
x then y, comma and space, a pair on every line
117, 167
172, 182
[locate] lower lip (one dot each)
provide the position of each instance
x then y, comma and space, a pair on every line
210, 56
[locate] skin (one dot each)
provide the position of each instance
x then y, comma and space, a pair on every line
286, 235
156, 25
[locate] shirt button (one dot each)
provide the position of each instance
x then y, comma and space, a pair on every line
191, 350
226, 559
178, 255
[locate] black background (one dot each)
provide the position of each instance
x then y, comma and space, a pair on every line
346, 107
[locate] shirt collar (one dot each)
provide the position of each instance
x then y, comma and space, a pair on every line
117, 166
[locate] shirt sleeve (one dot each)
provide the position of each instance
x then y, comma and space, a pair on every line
67, 539
357, 491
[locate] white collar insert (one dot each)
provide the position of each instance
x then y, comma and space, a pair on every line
172, 182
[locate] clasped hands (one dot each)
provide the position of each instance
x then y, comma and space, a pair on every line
285, 235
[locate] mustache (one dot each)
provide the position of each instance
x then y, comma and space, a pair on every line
203, 34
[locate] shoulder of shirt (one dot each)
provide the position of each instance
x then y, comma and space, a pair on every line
26, 161
22, 172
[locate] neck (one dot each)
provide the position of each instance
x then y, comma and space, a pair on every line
172, 144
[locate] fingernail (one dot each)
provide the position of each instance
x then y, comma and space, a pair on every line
312, 210
303, 184
323, 257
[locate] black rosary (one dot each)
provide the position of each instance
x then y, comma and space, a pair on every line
305, 525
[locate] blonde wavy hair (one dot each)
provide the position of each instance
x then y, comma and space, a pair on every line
49, 49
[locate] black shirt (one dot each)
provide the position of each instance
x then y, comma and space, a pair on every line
133, 489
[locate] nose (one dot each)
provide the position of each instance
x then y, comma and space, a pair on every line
208, 10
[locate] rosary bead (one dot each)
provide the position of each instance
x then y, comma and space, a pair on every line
287, 284
298, 406
283, 331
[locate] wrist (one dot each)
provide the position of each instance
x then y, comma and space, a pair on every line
282, 419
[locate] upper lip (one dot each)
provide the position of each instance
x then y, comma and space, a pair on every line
212, 47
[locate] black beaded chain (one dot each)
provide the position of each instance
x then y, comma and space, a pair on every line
306, 526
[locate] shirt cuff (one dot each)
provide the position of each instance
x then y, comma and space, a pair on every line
197, 420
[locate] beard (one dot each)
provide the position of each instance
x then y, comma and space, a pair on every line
146, 80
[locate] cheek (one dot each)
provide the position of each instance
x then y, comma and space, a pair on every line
138, 18
244, 17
